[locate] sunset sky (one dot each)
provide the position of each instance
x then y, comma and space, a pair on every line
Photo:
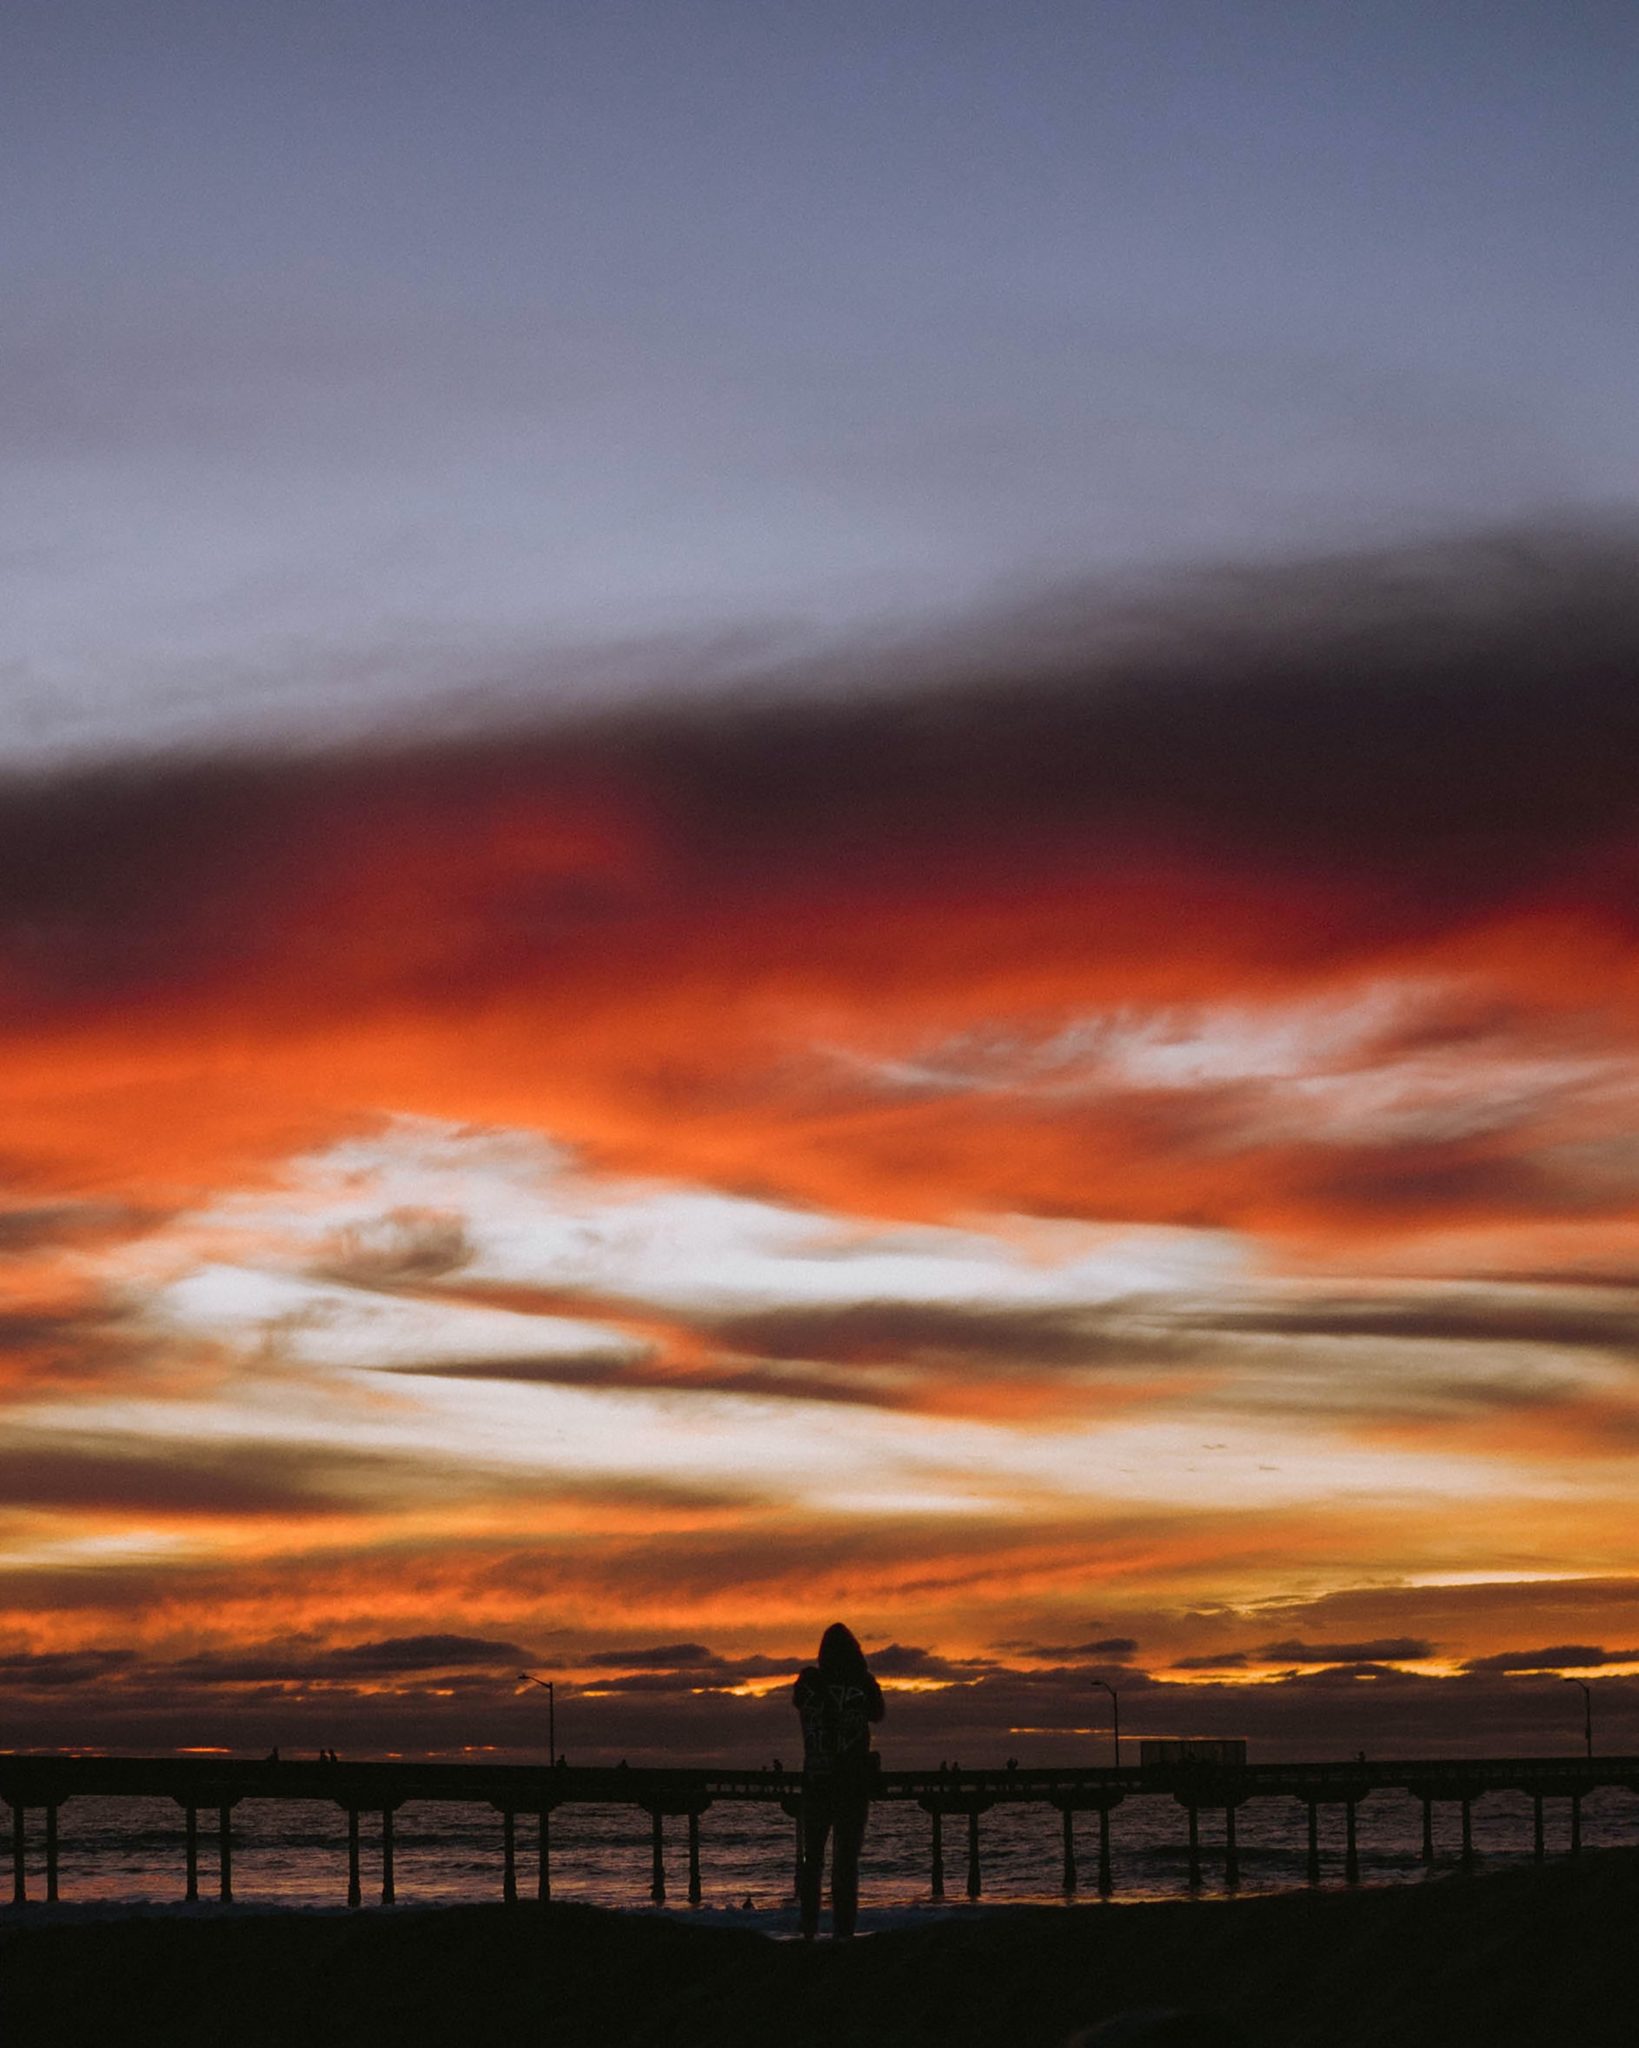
819, 812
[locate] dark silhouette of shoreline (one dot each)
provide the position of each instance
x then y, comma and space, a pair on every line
1532, 1955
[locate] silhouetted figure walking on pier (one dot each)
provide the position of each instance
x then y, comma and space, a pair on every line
838, 1700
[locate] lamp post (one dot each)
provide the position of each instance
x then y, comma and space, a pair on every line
1104, 1685
1587, 1711
551, 1713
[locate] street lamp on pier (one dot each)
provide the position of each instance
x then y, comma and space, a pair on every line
1104, 1685
551, 1712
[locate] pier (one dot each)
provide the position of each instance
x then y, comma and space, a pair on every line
37, 1788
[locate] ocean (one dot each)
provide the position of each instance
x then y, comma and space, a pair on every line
130, 1852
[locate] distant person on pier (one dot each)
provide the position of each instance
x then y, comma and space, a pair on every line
838, 1700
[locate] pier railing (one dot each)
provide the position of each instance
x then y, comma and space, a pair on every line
213, 1786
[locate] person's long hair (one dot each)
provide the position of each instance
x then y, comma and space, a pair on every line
840, 1656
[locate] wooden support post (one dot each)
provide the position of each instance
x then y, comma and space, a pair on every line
543, 1871
657, 1881
51, 1855
192, 1838
1106, 1883
19, 1870
1428, 1829
796, 1871
1069, 1819
224, 1853
938, 1888
1537, 1845
355, 1890
1468, 1831
1232, 1862
694, 1859
1576, 1823
1194, 1848
509, 1857
389, 1890
1314, 1842
1351, 1850
973, 1884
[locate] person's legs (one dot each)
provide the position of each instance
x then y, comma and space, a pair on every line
845, 1848
816, 1825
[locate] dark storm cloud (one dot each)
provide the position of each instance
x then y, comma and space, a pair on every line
48, 1669
897, 1354
1555, 1657
944, 1333
174, 1476
911, 1660
1476, 1176
646, 1372
1503, 1316
1434, 731
876, 1354
132, 1476
85, 1343
1382, 1650
394, 1656
445, 1692
663, 1656
1067, 1653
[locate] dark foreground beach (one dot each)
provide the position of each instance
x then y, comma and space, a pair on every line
1541, 1955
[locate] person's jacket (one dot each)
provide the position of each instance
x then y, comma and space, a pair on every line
836, 1723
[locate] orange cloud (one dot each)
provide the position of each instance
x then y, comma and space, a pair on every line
1319, 934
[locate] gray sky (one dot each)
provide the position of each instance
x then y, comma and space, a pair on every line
364, 354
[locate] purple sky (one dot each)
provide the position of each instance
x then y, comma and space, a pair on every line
363, 352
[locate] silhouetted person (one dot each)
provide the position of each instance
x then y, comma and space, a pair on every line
272, 1756
838, 1700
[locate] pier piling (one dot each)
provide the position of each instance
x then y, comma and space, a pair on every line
938, 1885
973, 1882
355, 1890
694, 1859
51, 1854
657, 1881
19, 1869
1428, 1829
1576, 1823
543, 1872
1538, 1848
191, 1851
224, 1853
388, 1890
1351, 1848
509, 1857
1468, 1832
1106, 1882
1194, 1847
1069, 1819
1232, 1861
1313, 1871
